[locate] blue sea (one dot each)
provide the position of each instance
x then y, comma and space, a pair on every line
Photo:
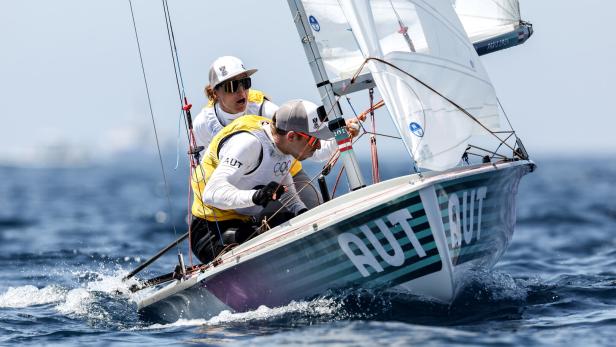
69, 235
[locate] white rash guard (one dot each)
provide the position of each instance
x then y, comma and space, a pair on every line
232, 183
212, 119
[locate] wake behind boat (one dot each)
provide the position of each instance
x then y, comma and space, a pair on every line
420, 233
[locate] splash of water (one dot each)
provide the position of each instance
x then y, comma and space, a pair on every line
30, 295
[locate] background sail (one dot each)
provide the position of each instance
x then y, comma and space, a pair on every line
435, 132
490, 24
493, 25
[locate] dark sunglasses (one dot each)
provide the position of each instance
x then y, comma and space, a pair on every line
234, 85
312, 141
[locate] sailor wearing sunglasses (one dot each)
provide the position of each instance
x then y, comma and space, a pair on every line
247, 167
230, 97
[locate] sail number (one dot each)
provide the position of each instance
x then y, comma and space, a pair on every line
365, 258
462, 227
462, 216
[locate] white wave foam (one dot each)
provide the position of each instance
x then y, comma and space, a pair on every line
111, 284
317, 306
179, 323
30, 295
76, 302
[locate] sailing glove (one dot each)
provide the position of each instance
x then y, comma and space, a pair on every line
272, 191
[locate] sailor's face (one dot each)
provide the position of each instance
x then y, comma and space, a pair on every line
303, 146
233, 102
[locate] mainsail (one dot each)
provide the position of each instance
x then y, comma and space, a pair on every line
441, 60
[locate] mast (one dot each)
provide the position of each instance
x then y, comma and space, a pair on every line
325, 88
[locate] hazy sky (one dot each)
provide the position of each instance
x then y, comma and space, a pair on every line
70, 75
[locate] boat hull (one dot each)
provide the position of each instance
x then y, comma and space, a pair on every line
416, 234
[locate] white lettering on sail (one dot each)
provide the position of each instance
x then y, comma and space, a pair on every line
366, 257
461, 221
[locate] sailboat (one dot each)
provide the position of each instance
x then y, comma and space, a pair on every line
422, 233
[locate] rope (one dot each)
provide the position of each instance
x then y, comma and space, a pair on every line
376, 177
439, 94
160, 157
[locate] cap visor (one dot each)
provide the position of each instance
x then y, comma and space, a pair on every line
230, 77
322, 134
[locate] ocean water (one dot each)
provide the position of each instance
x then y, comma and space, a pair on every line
68, 236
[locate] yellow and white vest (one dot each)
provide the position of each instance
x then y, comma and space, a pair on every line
273, 166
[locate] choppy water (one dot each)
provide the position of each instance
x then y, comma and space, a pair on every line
67, 236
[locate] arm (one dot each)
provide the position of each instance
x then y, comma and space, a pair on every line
325, 152
291, 198
269, 108
238, 155
206, 126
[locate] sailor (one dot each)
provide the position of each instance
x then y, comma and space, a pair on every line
246, 167
230, 97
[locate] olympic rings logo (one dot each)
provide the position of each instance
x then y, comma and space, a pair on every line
281, 168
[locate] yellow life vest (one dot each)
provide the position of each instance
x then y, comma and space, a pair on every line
203, 172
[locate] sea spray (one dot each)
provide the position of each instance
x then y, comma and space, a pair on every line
29, 295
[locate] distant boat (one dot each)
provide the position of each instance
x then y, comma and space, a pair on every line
421, 233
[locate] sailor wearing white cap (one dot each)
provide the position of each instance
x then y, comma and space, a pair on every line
230, 97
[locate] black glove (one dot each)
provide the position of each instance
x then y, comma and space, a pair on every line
301, 211
266, 194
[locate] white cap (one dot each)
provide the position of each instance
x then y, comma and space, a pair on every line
225, 68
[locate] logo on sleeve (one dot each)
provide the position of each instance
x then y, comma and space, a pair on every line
232, 162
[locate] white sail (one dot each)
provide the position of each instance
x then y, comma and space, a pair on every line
481, 19
484, 19
434, 130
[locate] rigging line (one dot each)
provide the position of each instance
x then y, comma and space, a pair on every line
442, 96
361, 124
160, 157
284, 204
505, 113
176, 66
177, 142
487, 151
337, 181
359, 117
303, 187
493, 155
175, 49
173, 53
